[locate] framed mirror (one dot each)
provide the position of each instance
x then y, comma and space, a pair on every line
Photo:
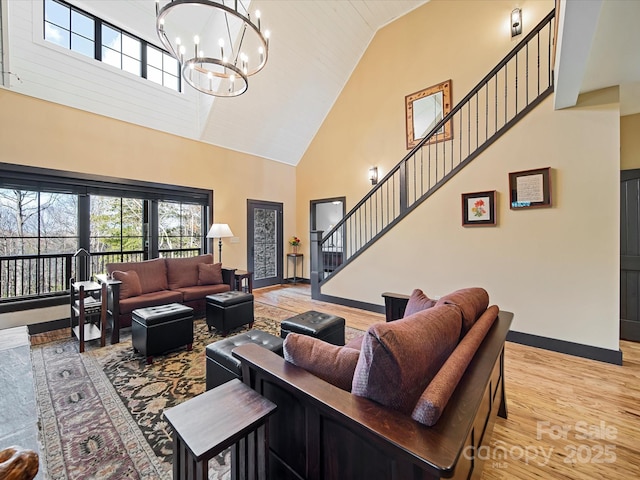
424, 110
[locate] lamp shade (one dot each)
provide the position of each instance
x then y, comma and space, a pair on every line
219, 230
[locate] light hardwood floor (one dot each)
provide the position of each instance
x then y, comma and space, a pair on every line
569, 418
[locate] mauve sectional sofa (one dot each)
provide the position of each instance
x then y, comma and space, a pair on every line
160, 281
414, 397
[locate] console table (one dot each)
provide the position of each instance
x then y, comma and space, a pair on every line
231, 415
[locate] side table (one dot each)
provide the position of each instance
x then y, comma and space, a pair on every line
231, 415
241, 276
88, 301
295, 257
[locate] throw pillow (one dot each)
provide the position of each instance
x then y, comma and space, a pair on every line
418, 301
329, 362
434, 399
183, 272
210, 273
130, 286
472, 302
152, 273
398, 359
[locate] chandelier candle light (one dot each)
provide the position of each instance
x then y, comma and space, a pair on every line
226, 40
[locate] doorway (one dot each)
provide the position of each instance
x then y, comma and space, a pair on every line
325, 214
630, 255
264, 242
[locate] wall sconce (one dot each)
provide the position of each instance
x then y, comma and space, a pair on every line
516, 22
373, 175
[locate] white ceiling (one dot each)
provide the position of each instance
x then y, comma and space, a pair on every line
599, 47
314, 47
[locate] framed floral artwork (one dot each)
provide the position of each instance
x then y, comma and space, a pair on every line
479, 209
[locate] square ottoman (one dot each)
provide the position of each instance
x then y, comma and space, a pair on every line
324, 326
156, 330
229, 310
222, 366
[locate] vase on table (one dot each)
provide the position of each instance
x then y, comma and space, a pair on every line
295, 249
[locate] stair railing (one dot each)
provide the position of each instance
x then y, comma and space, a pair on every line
519, 82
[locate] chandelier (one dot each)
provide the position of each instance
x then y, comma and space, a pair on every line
218, 43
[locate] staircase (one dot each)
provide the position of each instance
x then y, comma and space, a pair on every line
516, 85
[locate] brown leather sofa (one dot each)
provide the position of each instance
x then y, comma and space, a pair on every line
160, 281
322, 431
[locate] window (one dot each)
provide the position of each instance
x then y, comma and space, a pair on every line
35, 227
179, 226
116, 224
121, 50
34, 222
46, 216
162, 68
71, 28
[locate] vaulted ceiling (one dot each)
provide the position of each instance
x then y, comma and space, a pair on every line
315, 46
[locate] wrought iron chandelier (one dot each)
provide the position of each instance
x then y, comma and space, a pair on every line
218, 43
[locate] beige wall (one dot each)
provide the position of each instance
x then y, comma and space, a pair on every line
38, 133
629, 142
366, 125
557, 268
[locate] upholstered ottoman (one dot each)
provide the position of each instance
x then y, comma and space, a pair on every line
229, 310
222, 366
159, 329
324, 326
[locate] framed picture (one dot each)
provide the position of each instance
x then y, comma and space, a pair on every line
479, 209
530, 188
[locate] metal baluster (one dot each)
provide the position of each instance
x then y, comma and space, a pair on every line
550, 75
496, 104
486, 111
516, 77
460, 133
527, 74
538, 55
506, 82
422, 170
429, 163
468, 128
477, 123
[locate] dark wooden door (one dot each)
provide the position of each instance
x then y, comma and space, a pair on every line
630, 255
264, 246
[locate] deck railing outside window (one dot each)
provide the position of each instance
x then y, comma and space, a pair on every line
33, 276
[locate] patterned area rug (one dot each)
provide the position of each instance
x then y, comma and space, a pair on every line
101, 412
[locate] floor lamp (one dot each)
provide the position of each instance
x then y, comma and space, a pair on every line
219, 231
